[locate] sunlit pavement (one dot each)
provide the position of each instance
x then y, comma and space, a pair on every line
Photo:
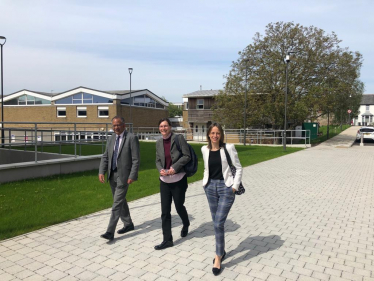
305, 216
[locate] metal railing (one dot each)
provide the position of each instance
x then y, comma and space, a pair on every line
31, 136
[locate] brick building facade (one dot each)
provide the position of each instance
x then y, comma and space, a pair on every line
84, 105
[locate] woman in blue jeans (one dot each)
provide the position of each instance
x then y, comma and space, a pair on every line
219, 185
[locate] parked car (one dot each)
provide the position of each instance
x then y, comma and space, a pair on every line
367, 132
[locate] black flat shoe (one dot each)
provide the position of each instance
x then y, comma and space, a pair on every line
126, 229
184, 231
216, 271
223, 257
107, 235
164, 245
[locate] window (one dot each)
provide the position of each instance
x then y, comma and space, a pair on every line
186, 105
26, 100
61, 111
81, 112
83, 98
367, 107
203, 128
103, 111
200, 104
197, 128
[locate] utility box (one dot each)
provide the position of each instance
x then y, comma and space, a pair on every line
298, 132
313, 128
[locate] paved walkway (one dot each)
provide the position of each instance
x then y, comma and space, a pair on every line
305, 216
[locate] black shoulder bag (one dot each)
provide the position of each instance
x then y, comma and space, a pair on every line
241, 189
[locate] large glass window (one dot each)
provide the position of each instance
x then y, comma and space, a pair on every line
83, 98
27, 100
143, 101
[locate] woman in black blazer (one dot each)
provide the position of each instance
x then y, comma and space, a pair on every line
173, 180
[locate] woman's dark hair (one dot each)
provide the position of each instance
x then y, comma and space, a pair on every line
164, 119
221, 132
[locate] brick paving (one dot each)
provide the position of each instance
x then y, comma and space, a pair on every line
305, 216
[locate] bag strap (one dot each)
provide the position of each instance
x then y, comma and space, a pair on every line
176, 140
227, 155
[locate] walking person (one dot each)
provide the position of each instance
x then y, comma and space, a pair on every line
219, 185
173, 180
121, 161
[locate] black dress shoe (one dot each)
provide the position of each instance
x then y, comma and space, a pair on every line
223, 257
126, 229
184, 231
217, 271
107, 235
164, 245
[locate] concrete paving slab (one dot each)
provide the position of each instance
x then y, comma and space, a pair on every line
305, 216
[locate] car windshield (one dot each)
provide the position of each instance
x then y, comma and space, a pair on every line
367, 130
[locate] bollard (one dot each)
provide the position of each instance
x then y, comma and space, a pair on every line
362, 139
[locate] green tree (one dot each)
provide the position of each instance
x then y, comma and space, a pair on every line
321, 77
174, 110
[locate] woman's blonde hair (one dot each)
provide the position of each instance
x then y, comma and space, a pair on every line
221, 132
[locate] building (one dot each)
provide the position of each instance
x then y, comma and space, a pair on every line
197, 112
142, 108
366, 111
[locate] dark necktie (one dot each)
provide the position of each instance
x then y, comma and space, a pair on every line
115, 153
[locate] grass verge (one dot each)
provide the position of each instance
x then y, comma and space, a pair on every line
33, 204
333, 131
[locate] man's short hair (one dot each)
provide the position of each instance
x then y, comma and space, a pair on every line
119, 117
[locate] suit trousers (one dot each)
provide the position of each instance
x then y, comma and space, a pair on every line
173, 191
120, 209
220, 199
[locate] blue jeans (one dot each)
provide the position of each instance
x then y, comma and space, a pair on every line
220, 199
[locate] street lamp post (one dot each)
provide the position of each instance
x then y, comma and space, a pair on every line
130, 71
285, 101
245, 102
2, 38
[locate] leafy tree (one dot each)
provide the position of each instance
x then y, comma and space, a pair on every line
174, 110
321, 77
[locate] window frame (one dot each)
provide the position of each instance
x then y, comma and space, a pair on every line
102, 108
200, 105
81, 108
58, 109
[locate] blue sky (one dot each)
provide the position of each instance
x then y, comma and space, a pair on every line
173, 46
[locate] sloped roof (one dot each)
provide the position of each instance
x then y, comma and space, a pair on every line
367, 99
202, 93
108, 94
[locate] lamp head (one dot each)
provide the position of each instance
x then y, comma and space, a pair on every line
2, 38
130, 70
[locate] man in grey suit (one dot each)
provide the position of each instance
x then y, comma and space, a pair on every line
121, 160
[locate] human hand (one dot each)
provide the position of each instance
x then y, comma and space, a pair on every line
130, 181
101, 178
163, 172
171, 171
233, 190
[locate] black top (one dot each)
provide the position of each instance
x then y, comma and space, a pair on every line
215, 165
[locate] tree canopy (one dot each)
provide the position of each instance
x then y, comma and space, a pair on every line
322, 78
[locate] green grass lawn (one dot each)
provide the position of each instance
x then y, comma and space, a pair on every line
33, 204
333, 131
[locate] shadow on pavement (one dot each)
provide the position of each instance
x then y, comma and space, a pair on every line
252, 247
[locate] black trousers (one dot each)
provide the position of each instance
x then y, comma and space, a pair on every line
173, 191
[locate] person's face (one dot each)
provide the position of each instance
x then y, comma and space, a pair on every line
118, 126
164, 128
215, 135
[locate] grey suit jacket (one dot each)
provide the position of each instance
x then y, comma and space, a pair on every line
177, 163
128, 159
